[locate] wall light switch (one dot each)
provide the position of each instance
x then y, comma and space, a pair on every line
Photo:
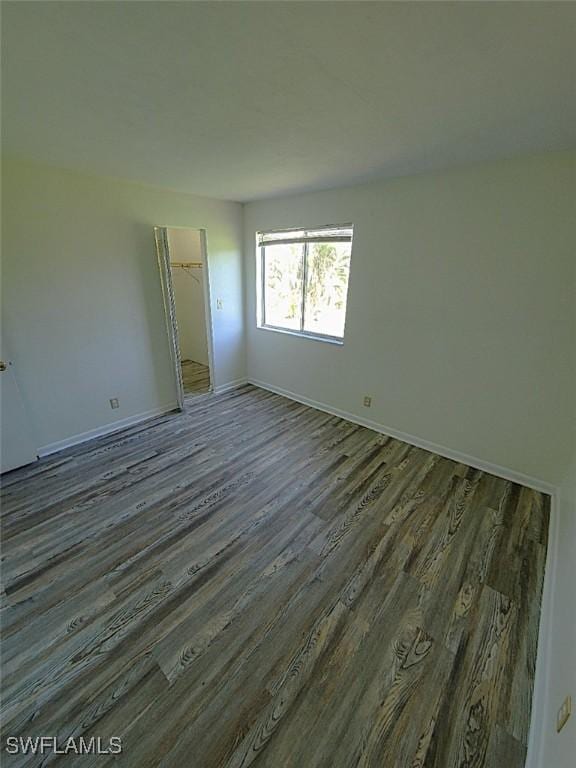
563, 714
367, 401
114, 403
219, 304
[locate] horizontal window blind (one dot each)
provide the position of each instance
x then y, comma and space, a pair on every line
341, 234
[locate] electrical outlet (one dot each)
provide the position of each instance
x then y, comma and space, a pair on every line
114, 403
367, 401
219, 304
563, 714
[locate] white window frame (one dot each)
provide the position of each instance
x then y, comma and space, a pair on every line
306, 236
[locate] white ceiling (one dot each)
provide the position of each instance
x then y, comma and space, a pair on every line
244, 100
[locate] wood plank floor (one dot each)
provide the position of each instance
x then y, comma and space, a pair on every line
254, 582
195, 377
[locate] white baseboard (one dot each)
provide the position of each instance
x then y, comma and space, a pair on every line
230, 385
116, 426
539, 719
107, 429
448, 453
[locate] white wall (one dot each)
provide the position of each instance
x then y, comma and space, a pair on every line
82, 302
460, 310
186, 245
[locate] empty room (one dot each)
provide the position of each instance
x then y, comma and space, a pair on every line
288, 384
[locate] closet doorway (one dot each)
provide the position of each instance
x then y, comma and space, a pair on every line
186, 291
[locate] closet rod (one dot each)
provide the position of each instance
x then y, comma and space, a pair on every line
184, 264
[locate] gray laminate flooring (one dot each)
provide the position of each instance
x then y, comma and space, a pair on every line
195, 377
254, 582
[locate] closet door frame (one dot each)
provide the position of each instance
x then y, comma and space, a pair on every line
163, 256
164, 267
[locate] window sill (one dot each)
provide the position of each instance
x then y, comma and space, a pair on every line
311, 336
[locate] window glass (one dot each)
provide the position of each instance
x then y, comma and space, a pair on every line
328, 267
304, 280
283, 276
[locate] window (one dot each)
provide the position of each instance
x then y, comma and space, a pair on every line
304, 280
